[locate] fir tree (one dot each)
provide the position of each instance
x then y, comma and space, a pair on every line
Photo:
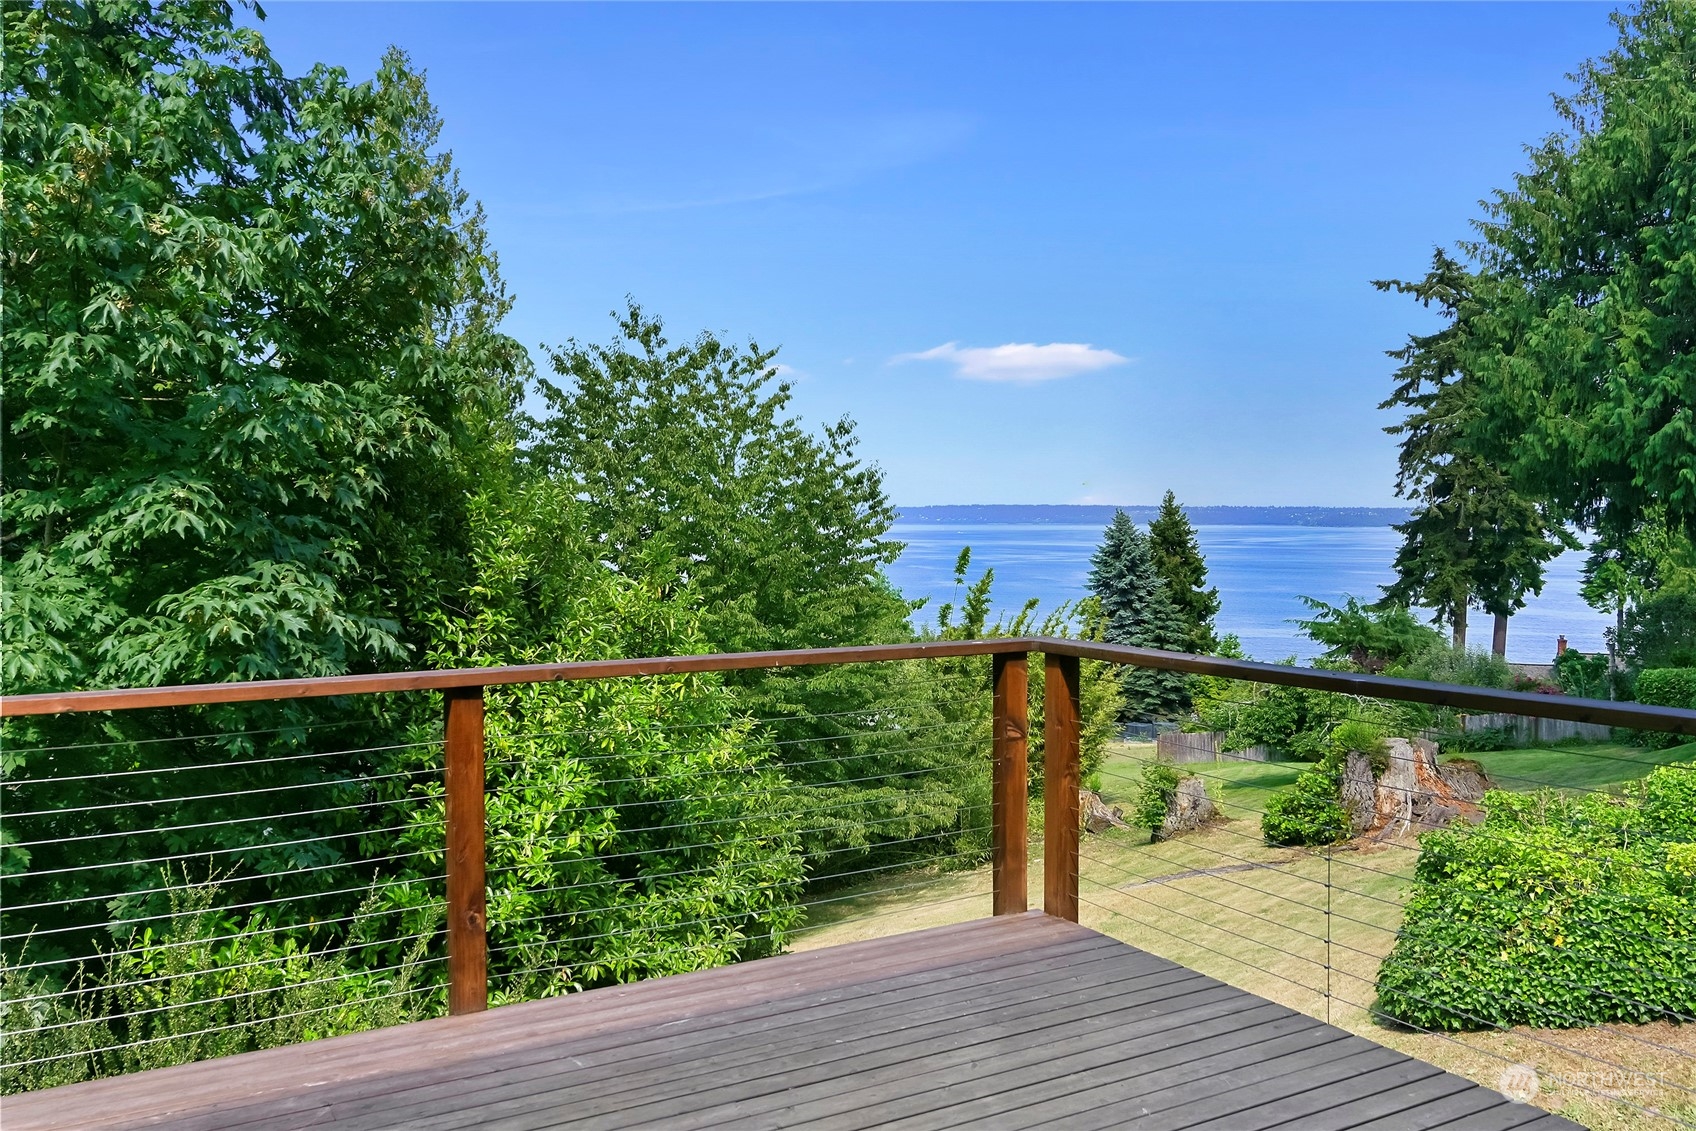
1138, 611
1178, 561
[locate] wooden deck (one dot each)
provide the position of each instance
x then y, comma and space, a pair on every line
1020, 1021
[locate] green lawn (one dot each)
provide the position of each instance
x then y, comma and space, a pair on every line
1575, 768
1303, 928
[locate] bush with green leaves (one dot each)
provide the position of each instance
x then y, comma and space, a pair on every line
1153, 797
635, 827
1310, 811
202, 983
1295, 721
1555, 912
1664, 687
1583, 674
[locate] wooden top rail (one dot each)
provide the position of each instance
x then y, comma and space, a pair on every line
1635, 715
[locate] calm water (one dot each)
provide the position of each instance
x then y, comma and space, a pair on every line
1261, 573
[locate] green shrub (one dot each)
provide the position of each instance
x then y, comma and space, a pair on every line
1441, 662
1582, 674
203, 983
1154, 793
1665, 687
1668, 800
1556, 912
1310, 811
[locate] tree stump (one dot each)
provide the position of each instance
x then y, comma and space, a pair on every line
1414, 795
1096, 815
1359, 793
1189, 809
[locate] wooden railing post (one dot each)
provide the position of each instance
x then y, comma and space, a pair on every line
1010, 784
1060, 782
468, 957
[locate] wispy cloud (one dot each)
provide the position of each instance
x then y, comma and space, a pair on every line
1019, 361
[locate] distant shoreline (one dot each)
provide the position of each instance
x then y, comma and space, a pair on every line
1075, 514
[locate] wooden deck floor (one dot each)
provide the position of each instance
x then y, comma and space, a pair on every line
1022, 1021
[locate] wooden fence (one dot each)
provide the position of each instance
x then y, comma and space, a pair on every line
1528, 729
1203, 746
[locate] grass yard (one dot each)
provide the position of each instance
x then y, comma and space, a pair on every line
1575, 769
1306, 928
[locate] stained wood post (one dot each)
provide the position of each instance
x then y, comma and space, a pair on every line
1060, 781
468, 947
1010, 784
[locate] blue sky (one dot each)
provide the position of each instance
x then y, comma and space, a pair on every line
1170, 212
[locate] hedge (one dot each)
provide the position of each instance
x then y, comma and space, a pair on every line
1555, 912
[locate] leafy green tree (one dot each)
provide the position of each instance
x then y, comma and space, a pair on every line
635, 827
1370, 637
1586, 397
1137, 610
688, 453
241, 312
1178, 560
1627, 572
1099, 696
250, 325
1474, 537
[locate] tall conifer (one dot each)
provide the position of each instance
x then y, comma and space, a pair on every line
1177, 558
1138, 611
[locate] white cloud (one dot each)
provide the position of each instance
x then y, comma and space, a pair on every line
1019, 361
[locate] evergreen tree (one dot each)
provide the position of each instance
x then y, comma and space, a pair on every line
1475, 538
1178, 561
1138, 611
1588, 395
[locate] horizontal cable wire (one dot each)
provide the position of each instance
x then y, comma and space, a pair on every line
208, 852
754, 912
131, 921
239, 1025
362, 779
321, 955
648, 877
349, 808
1194, 942
777, 790
692, 896
278, 758
763, 837
183, 738
598, 857
438, 905
790, 933
221, 881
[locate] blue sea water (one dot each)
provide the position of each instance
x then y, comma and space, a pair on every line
1261, 573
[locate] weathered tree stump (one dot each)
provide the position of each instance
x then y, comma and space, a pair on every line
1359, 793
1415, 795
1189, 809
1096, 815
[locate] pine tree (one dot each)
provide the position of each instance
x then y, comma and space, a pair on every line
1178, 561
1139, 612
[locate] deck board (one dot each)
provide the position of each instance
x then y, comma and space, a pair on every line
1020, 1021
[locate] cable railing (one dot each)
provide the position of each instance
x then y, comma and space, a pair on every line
189, 886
